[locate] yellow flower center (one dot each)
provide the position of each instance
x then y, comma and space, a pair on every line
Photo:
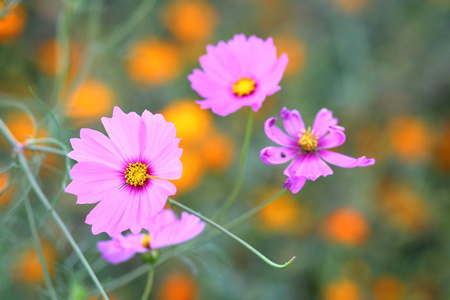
243, 87
136, 174
146, 241
308, 140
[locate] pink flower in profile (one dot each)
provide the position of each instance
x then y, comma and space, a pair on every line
166, 230
238, 73
126, 173
308, 147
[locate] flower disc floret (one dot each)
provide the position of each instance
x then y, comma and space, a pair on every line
127, 173
146, 241
308, 140
136, 174
244, 87
240, 72
307, 148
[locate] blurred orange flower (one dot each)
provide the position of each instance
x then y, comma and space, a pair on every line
284, 214
27, 267
92, 100
295, 50
193, 124
193, 170
217, 151
190, 21
153, 61
409, 138
442, 152
12, 24
178, 286
6, 189
404, 207
344, 289
22, 127
47, 55
346, 226
388, 287
350, 6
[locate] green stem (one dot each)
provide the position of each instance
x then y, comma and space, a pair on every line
139, 14
238, 183
63, 35
239, 240
93, 47
37, 245
149, 283
254, 210
121, 281
35, 186
7, 134
45, 149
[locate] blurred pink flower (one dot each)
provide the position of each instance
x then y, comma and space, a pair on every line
238, 73
166, 230
307, 147
126, 172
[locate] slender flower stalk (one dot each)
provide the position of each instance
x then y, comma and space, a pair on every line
240, 175
139, 14
149, 283
254, 210
35, 186
239, 240
37, 245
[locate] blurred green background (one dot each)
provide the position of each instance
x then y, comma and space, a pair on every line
382, 67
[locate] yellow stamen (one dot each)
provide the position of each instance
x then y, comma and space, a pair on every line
136, 174
146, 241
308, 140
243, 87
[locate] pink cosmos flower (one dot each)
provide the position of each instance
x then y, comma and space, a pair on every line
126, 173
166, 230
308, 147
238, 73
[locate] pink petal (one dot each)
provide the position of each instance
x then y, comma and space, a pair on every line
294, 184
107, 215
126, 131
220, 63
292, 121
269, 82
95, 146
323, 120
131, 242
277, 155
177, 231
93, 181
277, 135
206, 86
334, 138
112, 253
311, 167
221, 106
263, 55
344, 161
294, 165
161, 150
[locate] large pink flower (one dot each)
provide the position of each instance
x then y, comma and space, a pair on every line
166, 230
238, 73
127, 172
308, 147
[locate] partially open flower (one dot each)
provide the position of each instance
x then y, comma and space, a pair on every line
242, 72
165, 230
308, 147
127, 172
